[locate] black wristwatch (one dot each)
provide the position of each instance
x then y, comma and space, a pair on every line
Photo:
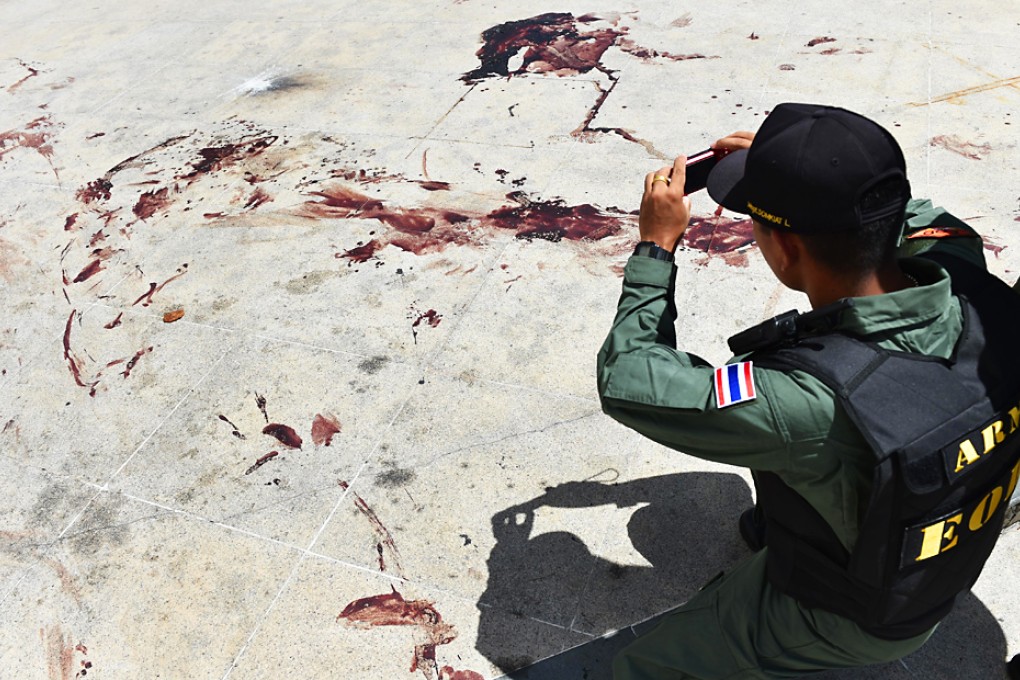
653, 250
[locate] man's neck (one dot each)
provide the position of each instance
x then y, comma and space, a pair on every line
824, 288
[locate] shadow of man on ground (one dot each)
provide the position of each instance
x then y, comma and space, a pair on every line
685, 527
686, 530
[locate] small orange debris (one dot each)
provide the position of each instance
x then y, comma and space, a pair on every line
175, 315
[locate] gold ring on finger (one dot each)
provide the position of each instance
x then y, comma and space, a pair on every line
660, 178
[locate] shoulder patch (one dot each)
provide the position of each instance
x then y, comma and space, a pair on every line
734, 384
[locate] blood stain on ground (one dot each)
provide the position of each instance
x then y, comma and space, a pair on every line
113, 324
260, 401
36, 135
448, 673
134, 360
236, 432
216, 158
261, 461
820, 41
553, 220
383, 536
284, 434
555, 43
324, 428
32, 72
69, 222
391, 609
150, 202
720, 236
362, 253
257, 198
155, 288
959, 146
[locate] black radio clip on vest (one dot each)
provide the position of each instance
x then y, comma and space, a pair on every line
788, 327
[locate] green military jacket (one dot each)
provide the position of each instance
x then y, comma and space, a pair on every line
794, 426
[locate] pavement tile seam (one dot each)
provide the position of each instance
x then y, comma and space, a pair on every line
172, 411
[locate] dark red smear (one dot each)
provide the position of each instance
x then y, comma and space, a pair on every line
154, 288
236, 432
820, 41
150, 202
69, 222
113, 324
448, 673
969, 150
380, 530
339, 202
134, 360
212, 215
215, 158
96, 238
260, 401
434, 186
553, 220
830, 51
323, 429
35, 135
362, 253
261, 461
96, 134
631, 47
551, 43
32, 72
146, 296
90, 270
382, 559
391, 609
96, 190
431, 317
718, 234
285, 434
257, 198
72, 364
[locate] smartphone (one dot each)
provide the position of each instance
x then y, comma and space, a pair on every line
698, 167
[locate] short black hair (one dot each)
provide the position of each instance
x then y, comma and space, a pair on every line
857, 252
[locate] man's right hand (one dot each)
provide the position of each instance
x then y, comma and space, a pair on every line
738, 140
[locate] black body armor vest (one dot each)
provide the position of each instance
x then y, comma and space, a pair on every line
946, 441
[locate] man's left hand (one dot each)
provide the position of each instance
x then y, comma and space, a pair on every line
665, 211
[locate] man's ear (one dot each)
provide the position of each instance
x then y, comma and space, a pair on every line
790, 260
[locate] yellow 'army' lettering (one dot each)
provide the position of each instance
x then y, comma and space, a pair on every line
991, 436
944, 535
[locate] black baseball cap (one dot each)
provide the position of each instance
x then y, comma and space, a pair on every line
807, 169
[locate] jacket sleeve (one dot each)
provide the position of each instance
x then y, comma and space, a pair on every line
668, 395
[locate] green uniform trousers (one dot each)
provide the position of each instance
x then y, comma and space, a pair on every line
741, 628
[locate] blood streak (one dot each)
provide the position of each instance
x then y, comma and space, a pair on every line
114, 323
323, 429
448, 673
154, 288
134, 360
261, 461
383, 535
362, 253
820, 41
32, 72
391, 609
215, 158
284, 434
257, 198
720, 236
72, 362
90, 270
150, 202
35, 135
69, 222
260, 401
966, 149
553, 220
548, 43
236, 432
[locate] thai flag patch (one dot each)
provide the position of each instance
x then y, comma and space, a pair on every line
734, 383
